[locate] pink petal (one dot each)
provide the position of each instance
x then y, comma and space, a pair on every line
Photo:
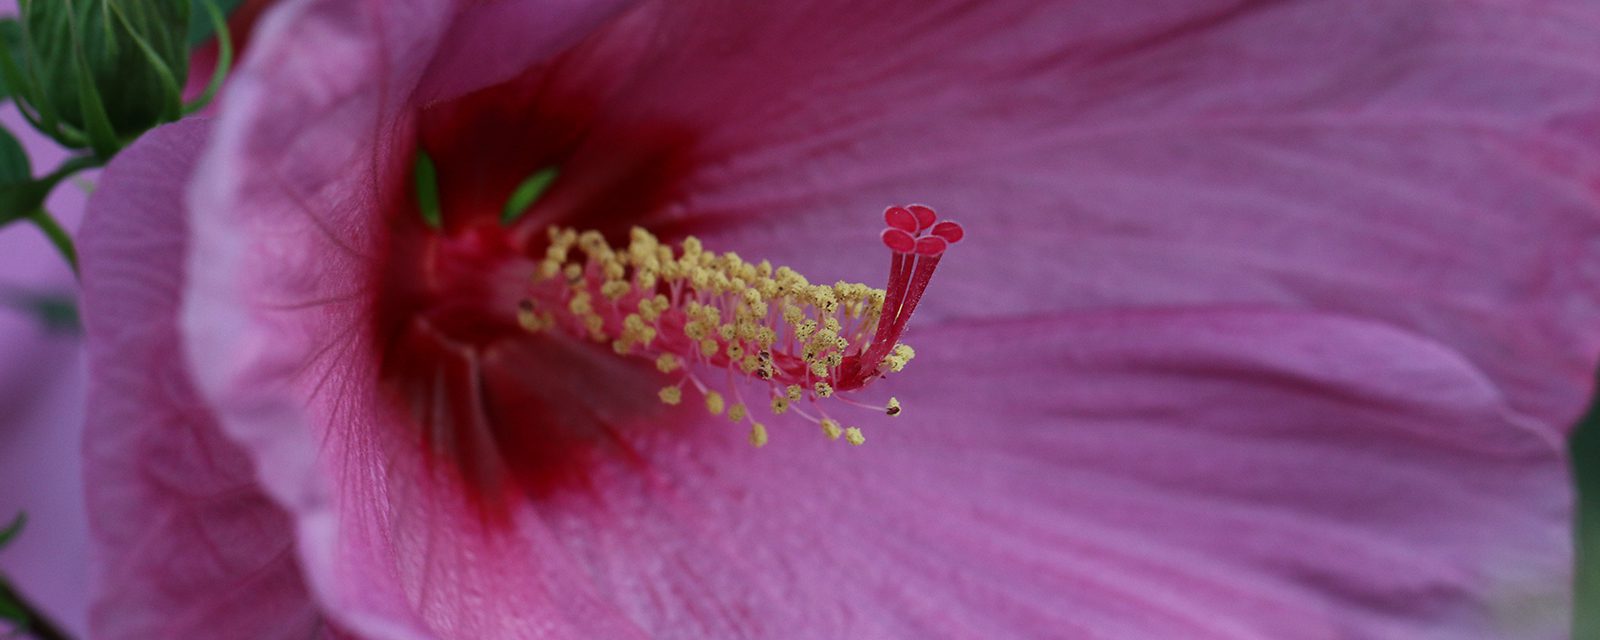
1429, 165
489, 42
1177, 474
186, 544
1331, 468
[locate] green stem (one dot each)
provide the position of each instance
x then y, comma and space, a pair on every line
38, 624
42, 219
72, 165
57, 235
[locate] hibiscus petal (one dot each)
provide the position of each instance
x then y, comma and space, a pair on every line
1431, 165
489, 42
187, 545
970, 524
1179, 474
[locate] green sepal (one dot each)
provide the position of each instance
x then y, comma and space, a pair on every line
425, 177
106, 70
528, 192
201, 30
219, 73
12, 44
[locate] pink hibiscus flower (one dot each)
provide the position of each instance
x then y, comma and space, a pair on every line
1269, 324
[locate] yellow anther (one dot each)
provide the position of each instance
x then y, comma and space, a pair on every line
593, 243
613, 290
528, 318
667, 363
579, 304
793, 315
595, 325
904, 351
768, 322
548, 268
831, 429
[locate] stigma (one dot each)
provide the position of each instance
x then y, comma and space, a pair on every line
720, 326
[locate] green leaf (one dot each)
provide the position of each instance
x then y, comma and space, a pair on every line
14, 167
19, 195
14, 612
201, 30
426, 179
527, 193
10, 609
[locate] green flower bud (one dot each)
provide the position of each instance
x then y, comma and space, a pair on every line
100, 72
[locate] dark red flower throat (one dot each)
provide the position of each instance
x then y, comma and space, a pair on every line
521, 351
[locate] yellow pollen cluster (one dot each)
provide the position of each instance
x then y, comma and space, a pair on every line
831, 429
690, 310
897, 359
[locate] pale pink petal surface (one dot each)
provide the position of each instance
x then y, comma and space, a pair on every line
186, 544
1297, 306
